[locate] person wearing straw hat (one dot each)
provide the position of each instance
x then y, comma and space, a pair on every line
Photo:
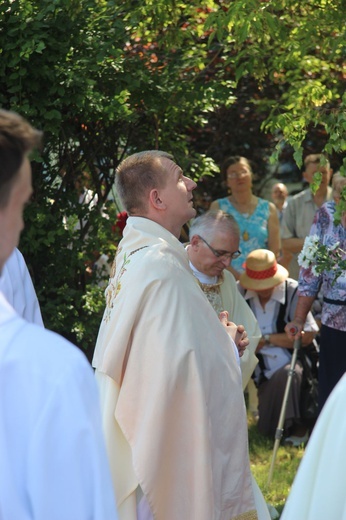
272, 296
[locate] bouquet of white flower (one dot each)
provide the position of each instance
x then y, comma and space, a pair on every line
322, 258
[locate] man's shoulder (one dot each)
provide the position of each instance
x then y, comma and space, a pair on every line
296, 199
44, 351
155, 259
294, 212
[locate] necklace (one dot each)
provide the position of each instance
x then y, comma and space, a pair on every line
252, 206
245, 234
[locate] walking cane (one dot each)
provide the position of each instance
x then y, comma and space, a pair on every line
279, 429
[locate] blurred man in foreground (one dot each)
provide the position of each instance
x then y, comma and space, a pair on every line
53, 462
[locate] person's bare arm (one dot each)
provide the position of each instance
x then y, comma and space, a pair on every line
281, 339
285, 257
293, 245
274, 241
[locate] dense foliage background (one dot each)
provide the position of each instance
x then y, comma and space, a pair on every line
204, 79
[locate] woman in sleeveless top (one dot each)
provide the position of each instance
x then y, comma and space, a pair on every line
256, 217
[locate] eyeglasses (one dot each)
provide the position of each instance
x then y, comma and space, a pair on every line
219, 254
237, 175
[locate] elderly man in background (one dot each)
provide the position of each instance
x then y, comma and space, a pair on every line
168, 371
300, 212
279, 196
214, 242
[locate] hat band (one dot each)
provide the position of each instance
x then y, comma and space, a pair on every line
262, 275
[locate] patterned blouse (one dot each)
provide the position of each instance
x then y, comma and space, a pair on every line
253, 229
334, 296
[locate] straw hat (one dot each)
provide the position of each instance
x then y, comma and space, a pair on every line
262, 271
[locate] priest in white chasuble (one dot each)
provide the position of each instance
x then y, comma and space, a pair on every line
168, 367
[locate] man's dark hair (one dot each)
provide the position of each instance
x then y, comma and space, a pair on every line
17, 139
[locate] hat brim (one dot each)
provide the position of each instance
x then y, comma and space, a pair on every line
260, 285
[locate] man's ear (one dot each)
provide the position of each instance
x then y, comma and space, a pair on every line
194, 242
155, 200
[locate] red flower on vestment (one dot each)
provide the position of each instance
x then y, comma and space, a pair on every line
120, 222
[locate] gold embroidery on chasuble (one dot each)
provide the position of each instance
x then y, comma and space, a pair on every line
213, 293
114, 285
249, 515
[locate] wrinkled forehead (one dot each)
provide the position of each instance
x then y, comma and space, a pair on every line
168, 167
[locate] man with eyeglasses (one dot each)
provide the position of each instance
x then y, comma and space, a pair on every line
214, 242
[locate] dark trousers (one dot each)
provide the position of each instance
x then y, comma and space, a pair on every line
332, 361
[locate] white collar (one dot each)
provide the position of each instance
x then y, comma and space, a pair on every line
203, 278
